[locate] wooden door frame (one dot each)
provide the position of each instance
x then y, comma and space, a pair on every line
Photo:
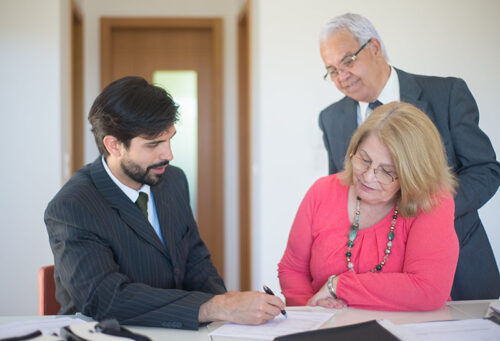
216, 150
245, 148
76, 93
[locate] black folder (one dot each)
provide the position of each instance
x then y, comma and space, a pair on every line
370, 330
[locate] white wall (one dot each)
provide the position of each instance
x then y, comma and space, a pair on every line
33, 97
428, 37
93, 10
34, 92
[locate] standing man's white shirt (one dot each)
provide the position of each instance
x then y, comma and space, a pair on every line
389, 93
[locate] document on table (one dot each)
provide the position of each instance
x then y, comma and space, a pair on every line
46, 326
466, 330
297, 321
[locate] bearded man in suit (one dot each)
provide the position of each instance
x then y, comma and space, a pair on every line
124, 239
356, 62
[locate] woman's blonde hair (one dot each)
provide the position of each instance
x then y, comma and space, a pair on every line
417, 151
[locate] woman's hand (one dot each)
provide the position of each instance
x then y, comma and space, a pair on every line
325, 300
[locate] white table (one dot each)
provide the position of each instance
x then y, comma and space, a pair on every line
458, 310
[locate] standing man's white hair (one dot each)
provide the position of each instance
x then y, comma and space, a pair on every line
360, 27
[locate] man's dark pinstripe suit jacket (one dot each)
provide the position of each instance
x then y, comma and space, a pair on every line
109, 262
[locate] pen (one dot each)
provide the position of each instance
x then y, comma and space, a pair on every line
270, 292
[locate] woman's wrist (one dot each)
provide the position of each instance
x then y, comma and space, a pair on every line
332, 285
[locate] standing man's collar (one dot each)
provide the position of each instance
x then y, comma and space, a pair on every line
389, 93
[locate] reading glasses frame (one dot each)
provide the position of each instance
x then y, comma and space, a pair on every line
362, 165
345, 63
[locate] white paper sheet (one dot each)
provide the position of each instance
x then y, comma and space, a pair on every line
46, 326
462, 330
297, 321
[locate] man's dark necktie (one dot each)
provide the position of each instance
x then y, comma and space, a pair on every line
375, 104
142, 203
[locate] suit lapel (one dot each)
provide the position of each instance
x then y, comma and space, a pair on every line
351, 123
346, 127
411, 92
163, 204
125, 208
166, 204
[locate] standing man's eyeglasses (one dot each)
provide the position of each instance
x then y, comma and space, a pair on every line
345, 63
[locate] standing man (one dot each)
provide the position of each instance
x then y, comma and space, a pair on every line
124, 239
356, 61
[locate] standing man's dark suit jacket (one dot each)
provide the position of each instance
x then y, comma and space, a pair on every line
450, 105
109, 261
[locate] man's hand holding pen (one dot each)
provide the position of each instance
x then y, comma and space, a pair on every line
268, 291
249, 307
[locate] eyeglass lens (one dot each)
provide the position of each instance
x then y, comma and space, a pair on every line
380, 174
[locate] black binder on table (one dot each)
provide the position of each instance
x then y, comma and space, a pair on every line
370, 330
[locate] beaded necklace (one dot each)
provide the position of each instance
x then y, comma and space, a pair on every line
354, 231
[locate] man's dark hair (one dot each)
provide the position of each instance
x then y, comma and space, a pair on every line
131, 107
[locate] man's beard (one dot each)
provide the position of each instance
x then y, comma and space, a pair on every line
139, 175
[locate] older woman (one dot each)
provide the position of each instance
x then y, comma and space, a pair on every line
380, 234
